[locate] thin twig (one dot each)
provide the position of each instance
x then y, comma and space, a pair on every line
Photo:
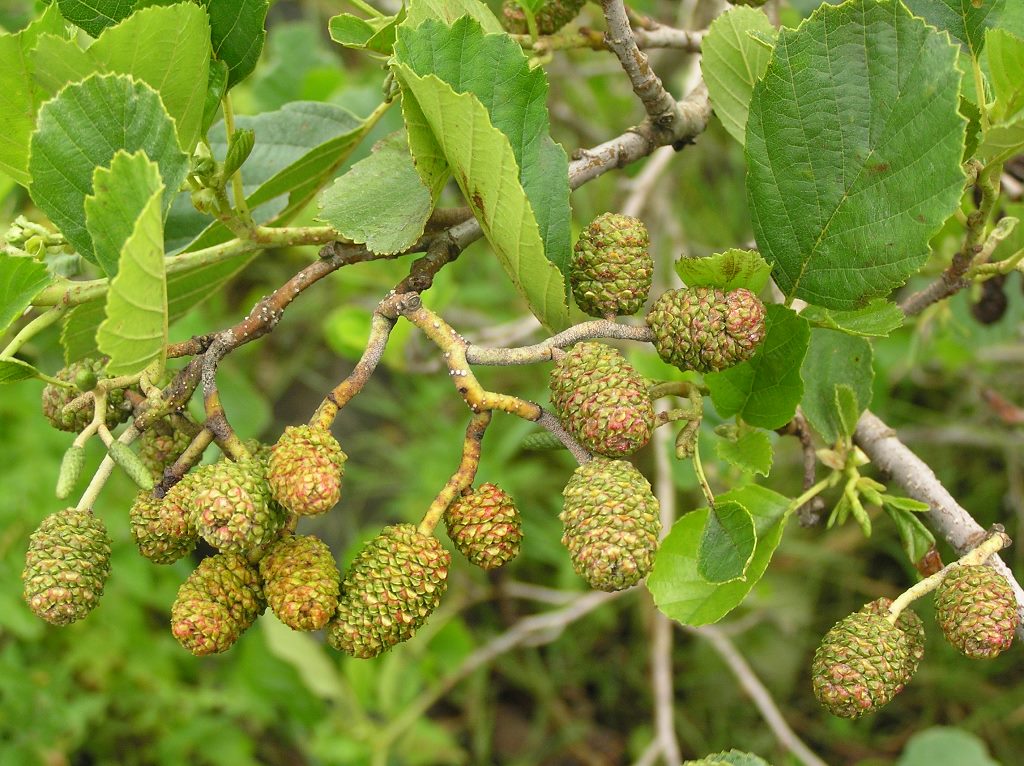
758, 693
946, 515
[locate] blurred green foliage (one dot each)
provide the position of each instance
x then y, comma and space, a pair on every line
117, 689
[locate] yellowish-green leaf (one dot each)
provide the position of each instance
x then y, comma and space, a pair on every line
449, 11
485, 168
134, 333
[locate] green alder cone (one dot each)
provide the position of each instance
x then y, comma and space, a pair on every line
67, 566
301, 582
911, 626
218, 602
550, 17
485, 527
394, 584
977, 611
611, 270
161, 445
705, 329
611, 524
602, 400
232, 508
160, 529
860, 665
305, 470
55, 398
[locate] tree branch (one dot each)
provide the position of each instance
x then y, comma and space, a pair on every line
946, 515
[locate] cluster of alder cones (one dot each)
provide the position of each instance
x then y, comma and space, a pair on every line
248, 508
867, 658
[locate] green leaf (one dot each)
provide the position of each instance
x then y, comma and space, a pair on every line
732, 61
78, 332
965, 20
848, 409
877, 319
905, 503
486, 170
21, 279
237, 34
82, 129
840, 205
727, 543
168, 48
96, 15
298, 149
19, 94
1001, 142
134, 333
727, 271
833, 359
15, 370
766, 389
736, 758
120, 193
751, 450
679, 590
381, 201
1005, 52
945, 746
915, 537
376, 34
450, 11
318, 672
494, 69
216, 87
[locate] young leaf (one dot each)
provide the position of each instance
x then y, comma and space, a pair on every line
237, 34
15, 370
450, 11
732, 61
751, 450
877, 319
19, 94
965, 20
833, 359
134, 333
377, 35
735, 758
168, 48
679, 590
487, 173
494, 69
380, 201
839, 204
727, 271
120, 193
766, 389
21, 279
82, 129
848, 409
1001, 142
727, 543
1005, 52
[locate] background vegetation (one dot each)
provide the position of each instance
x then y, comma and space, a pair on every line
117, 689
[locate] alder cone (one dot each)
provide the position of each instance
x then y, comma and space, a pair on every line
550, 17
161, 445
912, 628
602, 400
611, 270
305, 469
55, 398
394, 584
218, 602
160, 530
705, 329
977, 611
301, 582
611, 524
232, 508
860, 665
485, 527
67, 566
